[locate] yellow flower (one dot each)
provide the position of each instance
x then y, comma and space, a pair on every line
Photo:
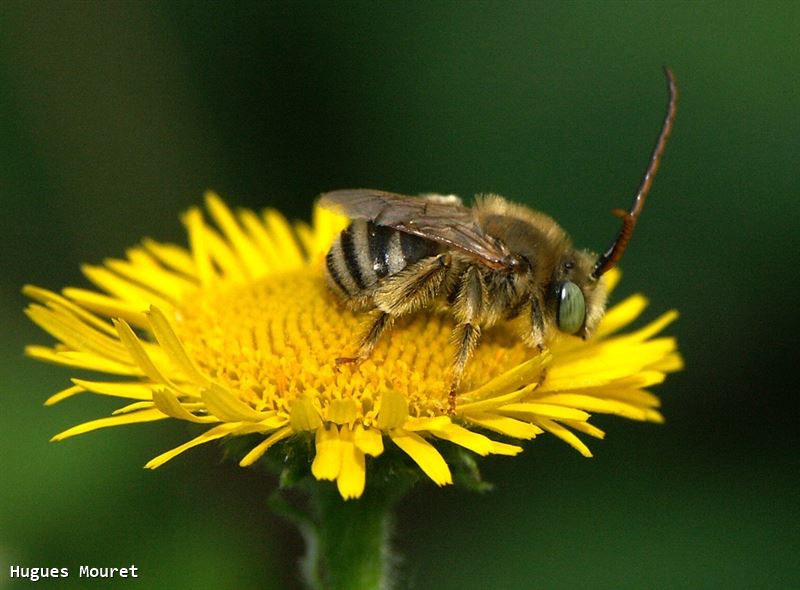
238, 332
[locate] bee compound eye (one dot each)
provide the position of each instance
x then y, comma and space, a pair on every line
571, 308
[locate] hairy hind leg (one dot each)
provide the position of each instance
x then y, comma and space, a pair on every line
382, 321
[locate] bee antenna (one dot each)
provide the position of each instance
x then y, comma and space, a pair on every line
611, 256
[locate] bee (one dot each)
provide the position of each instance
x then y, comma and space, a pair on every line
491, 262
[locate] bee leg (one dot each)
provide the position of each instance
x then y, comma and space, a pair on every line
537, 324
382, 321
403, 293
468, 306
467, 336
413, 287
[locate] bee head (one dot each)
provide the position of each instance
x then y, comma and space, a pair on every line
577, 299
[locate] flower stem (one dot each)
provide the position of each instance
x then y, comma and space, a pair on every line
349, 541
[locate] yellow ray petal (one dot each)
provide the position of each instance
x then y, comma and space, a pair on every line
169, 404
504, 425
621, 314
212, 434
141, 269
139, 298
64, 394
75, 334
612, 279
174, 349
250, 256
342, 411
653, 327
133, 407
138, 353
635, 397
131, 418
124, 389
224, 404
533, 409
353, 473
669, 364
172, 256
595, 404
393, 411
80, 360
328, 460
477, 443
53, 300
424, 455
223, 256
524, 374
369, 440
491, 403
304, 416
564, 434
206, 274
282, 233
264, 242
258, 451
108, 306
586, 428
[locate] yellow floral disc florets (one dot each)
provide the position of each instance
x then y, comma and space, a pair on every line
275, 340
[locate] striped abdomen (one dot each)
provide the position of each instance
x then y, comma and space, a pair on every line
364, 253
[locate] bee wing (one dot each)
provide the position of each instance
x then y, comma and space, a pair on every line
441, 219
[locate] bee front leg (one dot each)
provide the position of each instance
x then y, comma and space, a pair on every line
536, 337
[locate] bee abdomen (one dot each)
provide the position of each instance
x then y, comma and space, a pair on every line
364, 253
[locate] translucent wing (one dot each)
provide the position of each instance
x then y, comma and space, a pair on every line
437, 218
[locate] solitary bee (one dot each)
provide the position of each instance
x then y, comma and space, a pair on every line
494, 261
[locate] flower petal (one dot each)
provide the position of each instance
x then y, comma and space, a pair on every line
223, 404
258, 451
353, 473
369, 440
171, 344
328, 460
168, 403
393, 411
125, 389
564, 434
215, 433
64, 394
491, 403
131, 418
474, 441
253, 261
621, 314
524, 374
532, 409
342, 411
80, 360
504, 425
304, 416
424, 454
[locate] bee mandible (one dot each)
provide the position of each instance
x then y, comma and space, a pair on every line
487, 263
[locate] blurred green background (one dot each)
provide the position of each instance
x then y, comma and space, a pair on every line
115, 117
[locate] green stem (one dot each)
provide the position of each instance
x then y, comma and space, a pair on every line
348, 542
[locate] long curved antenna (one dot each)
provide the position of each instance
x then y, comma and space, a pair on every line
611, 256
